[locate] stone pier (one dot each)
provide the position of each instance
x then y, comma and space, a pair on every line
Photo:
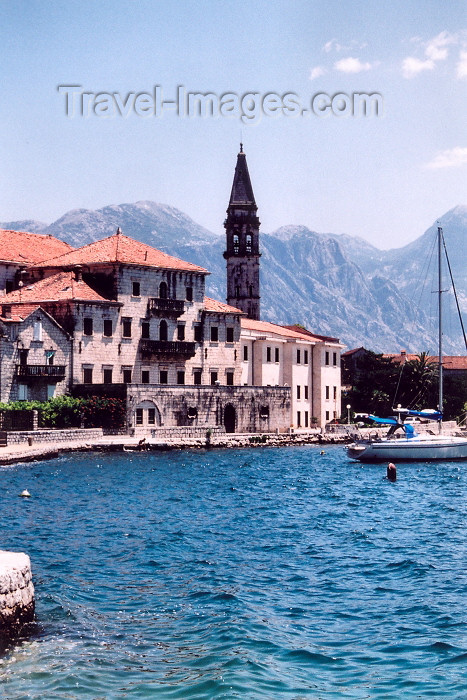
16, 592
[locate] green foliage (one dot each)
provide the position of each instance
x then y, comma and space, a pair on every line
70, 412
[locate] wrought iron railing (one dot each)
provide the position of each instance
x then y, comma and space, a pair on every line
169, 306
53, 371
167, 347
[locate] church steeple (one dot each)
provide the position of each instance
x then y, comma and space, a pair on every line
242, 233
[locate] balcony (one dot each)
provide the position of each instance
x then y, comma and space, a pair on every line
166, 307
56, 372
167, 347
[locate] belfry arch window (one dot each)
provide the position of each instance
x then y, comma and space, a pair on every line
163, 290
248, 243
163, 330
235, 243
237, 292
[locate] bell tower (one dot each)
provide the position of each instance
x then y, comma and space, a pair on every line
242, 233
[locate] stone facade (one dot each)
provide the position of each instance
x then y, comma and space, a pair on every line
239, 409
35, 357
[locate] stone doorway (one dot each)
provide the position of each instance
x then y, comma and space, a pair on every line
229, 418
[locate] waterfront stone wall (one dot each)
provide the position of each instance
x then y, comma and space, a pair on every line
246, 409
70, 435
16, 591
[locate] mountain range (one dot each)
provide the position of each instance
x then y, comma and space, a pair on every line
334, 284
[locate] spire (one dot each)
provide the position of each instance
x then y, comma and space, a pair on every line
242, 191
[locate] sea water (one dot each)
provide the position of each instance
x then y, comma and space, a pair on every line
253, 573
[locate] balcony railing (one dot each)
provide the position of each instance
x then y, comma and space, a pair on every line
36, 371
167, 347
174, 307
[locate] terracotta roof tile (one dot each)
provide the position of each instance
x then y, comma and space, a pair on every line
19, 313
59, 287
25, 248
123, 249
315, 336
450, 362
266, 327
220, 307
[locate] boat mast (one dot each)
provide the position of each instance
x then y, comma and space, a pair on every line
440, 330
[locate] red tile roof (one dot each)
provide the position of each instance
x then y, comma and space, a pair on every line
59, 287
122, 249
266, 327
450, 362
25, 248
220, 307
19, 313
314, 336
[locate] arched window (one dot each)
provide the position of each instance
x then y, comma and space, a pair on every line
248, 244
163, 329
235, 243
237, 291
250, 288
163, 290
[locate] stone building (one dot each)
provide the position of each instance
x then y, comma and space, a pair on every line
242, 238
118, 313
35, 355
19, 249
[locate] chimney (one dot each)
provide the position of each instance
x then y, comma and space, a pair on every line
78, 270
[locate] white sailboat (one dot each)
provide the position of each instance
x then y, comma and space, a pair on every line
408, 444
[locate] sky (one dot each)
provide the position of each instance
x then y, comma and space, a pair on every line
273, 69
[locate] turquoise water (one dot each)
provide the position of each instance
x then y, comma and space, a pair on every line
257, 573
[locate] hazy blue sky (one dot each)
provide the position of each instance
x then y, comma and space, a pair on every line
386, 178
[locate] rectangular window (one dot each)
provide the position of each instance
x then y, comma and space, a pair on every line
144, 376
298, 391
163, 377
334, 359
245, 353
87, 375
306, 391
126, 372
305, 357
334, 392
327, 392
276, 354
145, 329
22, 392
50, 391
126, 327
268, 354
180, 331
214, 334
327, 415
23, 357
298, 357
136, 289
151, 416
198, 333
299, 419
107, 375
9, 286
213, 377
180, 377
139, 416
37, 333
108, 327
87, 326
189, 294
49, 355
230, 378
230, 334
197, 376
306, 419
326, 361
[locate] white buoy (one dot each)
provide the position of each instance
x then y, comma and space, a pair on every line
25, 494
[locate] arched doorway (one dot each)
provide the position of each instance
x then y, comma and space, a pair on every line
229, 418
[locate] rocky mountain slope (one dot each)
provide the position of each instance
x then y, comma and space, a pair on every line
334, 284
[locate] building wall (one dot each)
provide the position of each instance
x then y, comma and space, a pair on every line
327, 383
117, 353
257, 409
23, 336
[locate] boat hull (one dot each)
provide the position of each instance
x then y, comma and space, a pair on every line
434, 448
